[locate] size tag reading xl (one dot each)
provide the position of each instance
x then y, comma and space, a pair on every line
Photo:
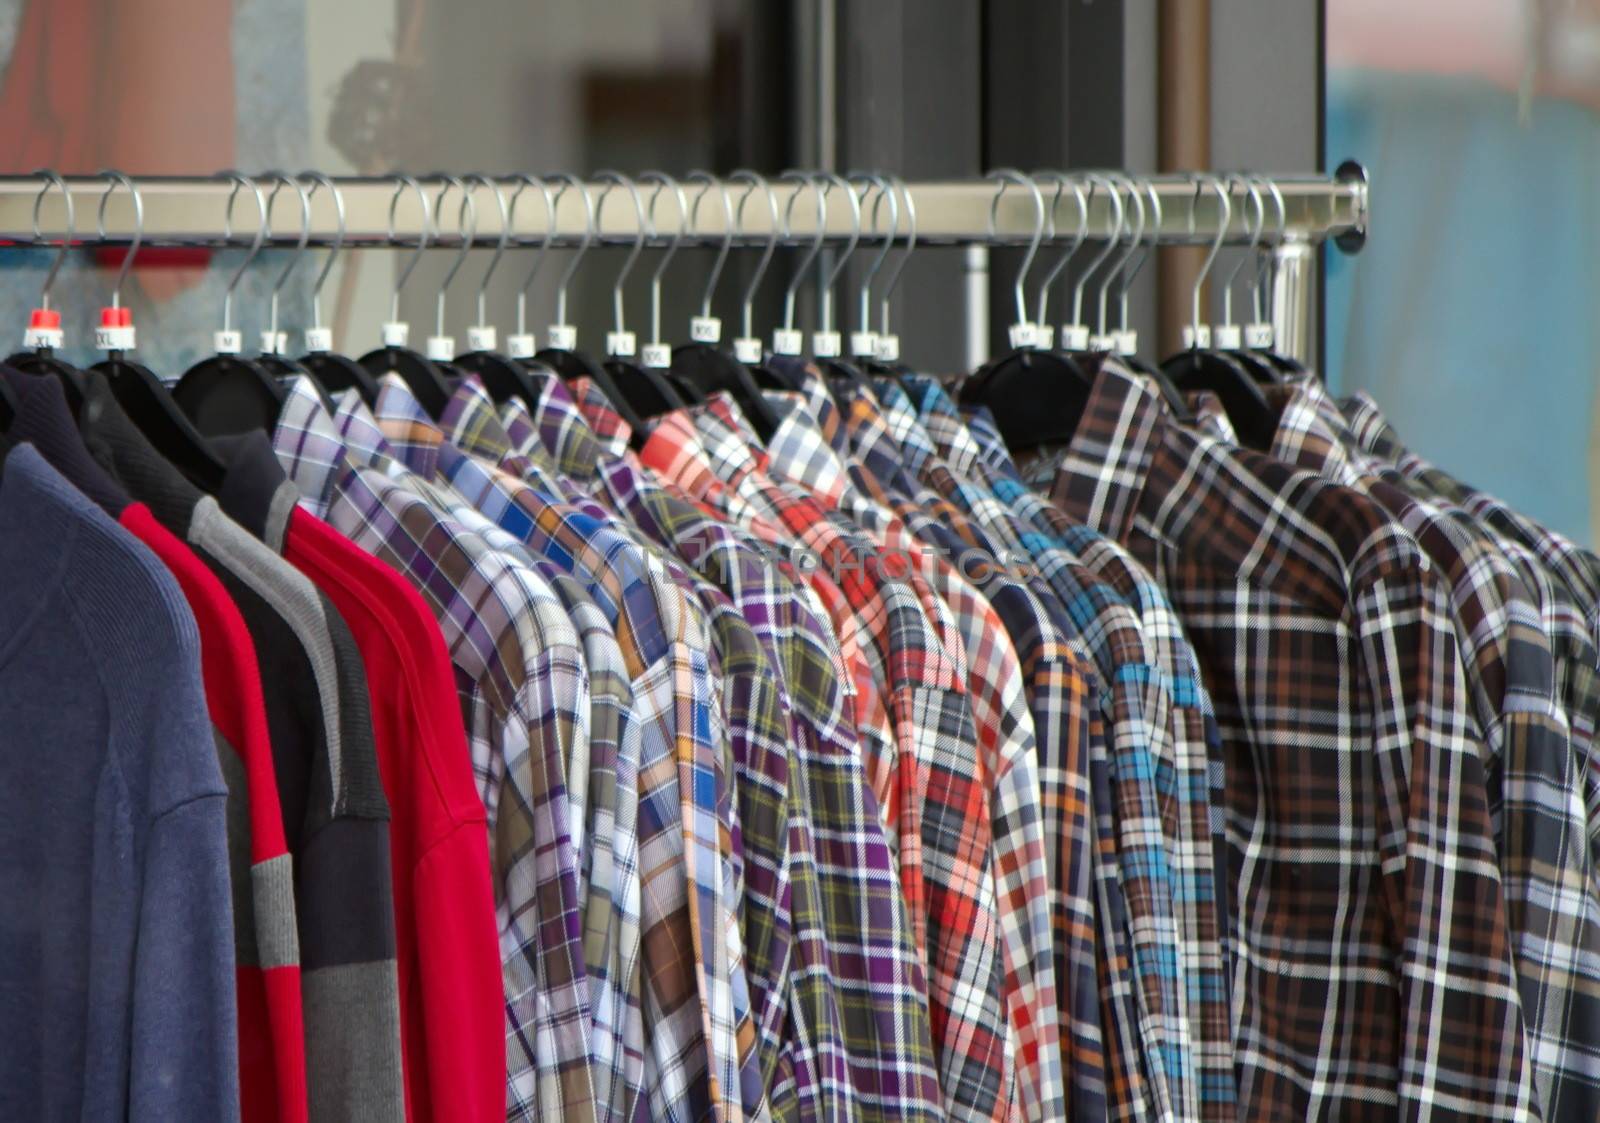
319, 340
622, 344
114, 339
705, 329
786, 341
482, 338
563, 337
1258, 336
657, 356
521, 345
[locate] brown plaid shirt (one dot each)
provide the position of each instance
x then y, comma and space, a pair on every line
1374, 966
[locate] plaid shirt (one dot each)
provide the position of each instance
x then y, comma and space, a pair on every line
695, 1065
1143, 758
524, 698
943, 815
974, 449
1356, 792
800, 454
1093, 964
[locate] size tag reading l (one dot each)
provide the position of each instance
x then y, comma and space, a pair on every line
521, 345
1228, 337
441, 348
1258, 336
889, 348
705, 329
657, 356
826, 344
622, 344
1023, 335
228, 342
1075, 337
563, 337
747, 349
319, 340
787, 342
482, 338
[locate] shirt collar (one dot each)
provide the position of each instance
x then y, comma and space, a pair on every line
1371, 428
732, 458
563, 429
309, 445
254, 490
470, 422
799, 452
612, 432
414, 435
1102, 474
945, 425
901, 418
875, 445
362, 436
673, 450
1303, 436
722, 404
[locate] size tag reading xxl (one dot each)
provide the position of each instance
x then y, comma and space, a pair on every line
705, 329
786, 341
482, 338
622, 344
319, 340
1258, 336
228, 342
521, 345
657, 356
441, 348
826, 344
563, 337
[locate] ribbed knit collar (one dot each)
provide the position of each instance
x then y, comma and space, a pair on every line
121, 446
44, 420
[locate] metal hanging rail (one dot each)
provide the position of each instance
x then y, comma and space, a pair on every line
193, 211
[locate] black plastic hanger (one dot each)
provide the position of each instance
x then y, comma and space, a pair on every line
1036, 396
427, 380
331, 371
141, 394
228, 393
44, 334
1200, 368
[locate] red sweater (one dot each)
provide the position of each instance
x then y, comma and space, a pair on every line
272, 1059
452, 998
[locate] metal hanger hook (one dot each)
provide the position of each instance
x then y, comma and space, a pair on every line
663, 181
285, 180
53, 179
617, 179
1114, 199
802, 179
1253, 193
483, 180
1263, 254
1155, 237
467, 226
567, 179
885, 191
830, 180
1005, 176
424, 236
321, 179
1135, 231
525, 181
711, 181
1224, 217
241, 180
755, 180
1062, 182
900, 262
114, 178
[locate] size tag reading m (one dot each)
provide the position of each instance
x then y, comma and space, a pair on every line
1258, 336
482, 338
657, 356
319, 340
826, 344
1023, 335
521, 345
747, 349
563, 337
1075, 337
787, 342
705, 329
441, 348
622, 344
228, 342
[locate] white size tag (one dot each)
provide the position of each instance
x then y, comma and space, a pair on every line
273, 342
826, 344
1127, 342
889, 348
747, 349
43, 337
1228, 337
563, 337
521, 345
622, 344
864, 344
395, 334
1258, 336
1023, 335
1044, 337
441, 348
228, 342
656, 356
786, 341
705, 329
1098, 342
319, 341
1075, 337
1193, 338
114, 339
483, 338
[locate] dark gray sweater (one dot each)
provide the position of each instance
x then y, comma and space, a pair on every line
116, 934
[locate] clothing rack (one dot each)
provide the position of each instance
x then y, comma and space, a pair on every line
385, 211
